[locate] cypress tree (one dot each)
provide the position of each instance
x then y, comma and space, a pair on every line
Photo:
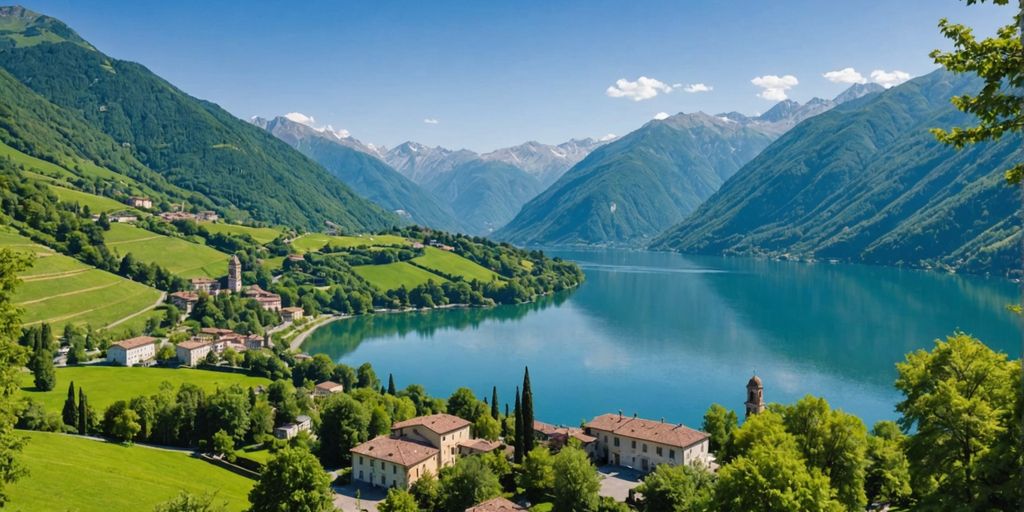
494, 403
43, 371
83, 413
527, 412
70, 412
391, 385
46, 336
518, 455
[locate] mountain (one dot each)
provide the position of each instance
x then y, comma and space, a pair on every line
545, 162
867, 182
632, 189
485, 195
420, 163
192, 144
367, 175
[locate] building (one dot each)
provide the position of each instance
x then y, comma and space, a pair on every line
185, 301
291, 314
194, 351
643, 444
477, 446
140, 202
267, 300
132, 351
205, 285
415, 447
327, 388
209, 216
289, 430
498, 504
234, 275
755, 396
557, 437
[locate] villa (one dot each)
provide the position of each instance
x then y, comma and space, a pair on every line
194, 351
643, 444
185, 301
141, 202
289, 430
327, 388
205, 285
291, 314
557, 437
498, 504
132, 351
267, 300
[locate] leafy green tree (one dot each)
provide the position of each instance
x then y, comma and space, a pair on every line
999, 60
43, 372
677, 488
398, 500
70, 412
486, 427
576, 481
223, 444
366, 377
427, 491
146, 411
261, 421
537, 474
185, 502
344, 423
227, 409
888, 471
281, 395
292, 480
720, 422
468, 482
380, 422
86, 417
956, 396
464, 404
121, 422
772, 477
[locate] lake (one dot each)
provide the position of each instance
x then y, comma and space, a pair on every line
665, 336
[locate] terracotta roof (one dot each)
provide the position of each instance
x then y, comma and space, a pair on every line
194, 343
292, 310
437, 423
480, 445
498, 504
669, 434
398, 451
136, 342
189, 296
581, 437
216, 330
327, 385
196, 280
544, 428
552, 431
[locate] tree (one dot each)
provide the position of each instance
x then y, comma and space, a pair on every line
518, 452
537, 474
494, 403
86, 421
888, 472
398, 500
486, 427
380, 422
463, 403
576, 481
527, 405
165, 353
292, 480
344, 423
281, 395
366, 377
999, 61
391, 385
720, 422
43, 372
185, 502
427, 491
468, 482
957, 396
677, 488
120, 422
772, 477
223, 444
70, 412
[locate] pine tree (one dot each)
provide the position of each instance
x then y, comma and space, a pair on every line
391, 385
70, 412
527, 404
43, 370
494, 403
83, 413
518, 455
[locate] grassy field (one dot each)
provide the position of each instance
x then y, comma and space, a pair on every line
393, 275
84, 475
315, 241
60, 290
453, 264
261, 235
31, 162
107, 384
95, 203
181, 257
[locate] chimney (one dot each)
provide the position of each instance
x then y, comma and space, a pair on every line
634, 415
620, 414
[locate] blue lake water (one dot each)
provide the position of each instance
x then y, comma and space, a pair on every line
665, 336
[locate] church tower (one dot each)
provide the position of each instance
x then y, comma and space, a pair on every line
235, 275
755, 396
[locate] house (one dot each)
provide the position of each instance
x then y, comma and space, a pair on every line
643, 444
477, 446
207, 215
255, 342
185, 301
415, 447
296, 258
193, 351
132, 351
327, 388
291, 314
140, 202
557, 437
205, 285
267, 300
498, 504
289, 430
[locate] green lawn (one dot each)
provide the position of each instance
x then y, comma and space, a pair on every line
31, 162
184, 258
315, 241
393, 275
84, 475
451, 263
95, 203
261, 235
105, 385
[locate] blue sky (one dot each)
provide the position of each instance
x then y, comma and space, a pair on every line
493, 74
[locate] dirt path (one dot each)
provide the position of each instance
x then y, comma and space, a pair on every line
65, 294
54, 275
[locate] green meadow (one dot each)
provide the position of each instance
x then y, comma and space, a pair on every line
95, 203
315, 241
393, 275
85, 475
181, 257
453, 264
261, 235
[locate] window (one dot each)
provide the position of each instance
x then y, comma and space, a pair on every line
657, 450
616, 441
634, 444
672, 454
394, 469
645, 447
360, 459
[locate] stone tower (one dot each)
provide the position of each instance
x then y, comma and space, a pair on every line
755, 396
235, 275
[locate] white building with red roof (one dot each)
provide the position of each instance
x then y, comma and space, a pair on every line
132, 351
643, 444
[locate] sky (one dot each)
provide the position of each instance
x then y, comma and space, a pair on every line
491, 74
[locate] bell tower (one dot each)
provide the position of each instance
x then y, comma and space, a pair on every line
235, 275
755, 396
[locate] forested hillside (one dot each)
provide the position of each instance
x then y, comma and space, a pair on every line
867, 182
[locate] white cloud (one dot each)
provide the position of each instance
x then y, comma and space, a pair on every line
431, 120
608, 137
888, 79
301, 118
698, 87
642, 89
774, 87
845, 76
661, 115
